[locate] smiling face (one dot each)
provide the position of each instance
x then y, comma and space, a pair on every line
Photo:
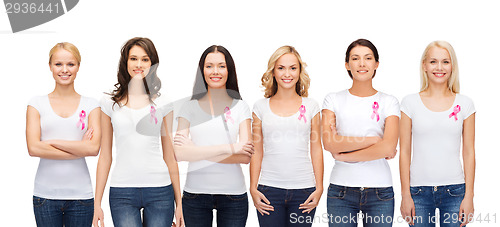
215, 70
64, 67
138, 62
361, 63
437, 65
287, 71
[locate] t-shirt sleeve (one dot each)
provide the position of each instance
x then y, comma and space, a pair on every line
185, 111
469, 107
328, 102
106, 105
314, 106
257, 109
92, 104
35, 103
245, 111
405, 106
393, 107
165, 106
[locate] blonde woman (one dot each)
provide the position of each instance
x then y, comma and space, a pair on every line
62, 128
434, 123
285, 183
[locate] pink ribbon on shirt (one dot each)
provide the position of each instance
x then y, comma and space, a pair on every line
302, 111
456, 109
375, 107
152, 112
82, 119
227, 112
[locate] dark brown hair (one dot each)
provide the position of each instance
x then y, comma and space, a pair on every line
365, 43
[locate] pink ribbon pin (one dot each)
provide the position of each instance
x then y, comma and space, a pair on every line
82, 119
152, 112
302, 111
456, 109
375, 107
227, 113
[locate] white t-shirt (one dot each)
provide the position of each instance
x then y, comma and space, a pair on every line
361, 117
139, 155
286, 163
207, 177
436, 141
63, 179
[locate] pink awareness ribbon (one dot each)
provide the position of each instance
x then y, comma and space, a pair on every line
456, 110
152, 112
375, 107
82, 119
227, 113
302, 111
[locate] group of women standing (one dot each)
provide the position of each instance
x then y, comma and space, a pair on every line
281, 138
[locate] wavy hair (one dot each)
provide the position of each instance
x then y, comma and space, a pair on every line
269, 82
151, 81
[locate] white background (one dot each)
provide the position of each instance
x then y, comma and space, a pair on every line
251, 31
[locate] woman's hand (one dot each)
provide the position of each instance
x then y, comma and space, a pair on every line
98, 216
466, 211
245, 148
179, 218
88, 134
182, 140
260, 202
408, 209
311, 202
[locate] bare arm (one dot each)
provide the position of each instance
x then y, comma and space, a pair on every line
103, 166
335, 143
383, 149
173, 168
317, 152
469, 159
407, 204
84, 147
185, 150
37, 148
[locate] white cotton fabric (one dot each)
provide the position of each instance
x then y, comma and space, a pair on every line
286, 162
355, 117
436, 139
139, 155
208, 177
62, 179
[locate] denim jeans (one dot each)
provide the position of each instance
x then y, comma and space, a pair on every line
286, 204
232, 210
70, 213
157, 204
344, 204
447, 198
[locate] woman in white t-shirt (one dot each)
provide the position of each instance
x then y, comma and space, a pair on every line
215, 118
360, 130
434, 122
62, 128
145, 179
286, 185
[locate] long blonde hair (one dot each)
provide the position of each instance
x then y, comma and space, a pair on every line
269, 82
453, 82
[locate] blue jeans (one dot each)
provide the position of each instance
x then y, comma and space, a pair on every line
70, 213
157, 204
286, 204
447, 198
344, 204
232, 210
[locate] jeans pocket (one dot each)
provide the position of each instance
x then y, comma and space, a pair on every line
38, 201
415, 190
187, 195
86, 202
336, 192
262, 188
456, 189
385, 194
308, 191
238, 197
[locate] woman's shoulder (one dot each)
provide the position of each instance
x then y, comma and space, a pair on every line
464, 98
